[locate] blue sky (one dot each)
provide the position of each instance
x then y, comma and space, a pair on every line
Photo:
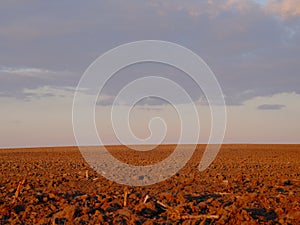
253, 49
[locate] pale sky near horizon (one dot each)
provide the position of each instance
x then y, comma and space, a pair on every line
252, 46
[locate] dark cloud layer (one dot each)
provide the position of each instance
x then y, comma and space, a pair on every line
270, 107
253, 50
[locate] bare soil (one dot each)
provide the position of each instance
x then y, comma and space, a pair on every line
246, 184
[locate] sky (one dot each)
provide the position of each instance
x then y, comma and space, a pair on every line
252, 46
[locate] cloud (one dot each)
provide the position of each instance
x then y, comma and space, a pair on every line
16, 81
212, 8
271, 107
245, 45
285, 8
105, 100
145, 103
253, 49
152, 101
241, 6
31, 72
48, 91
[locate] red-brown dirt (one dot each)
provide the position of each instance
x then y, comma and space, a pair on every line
246, 184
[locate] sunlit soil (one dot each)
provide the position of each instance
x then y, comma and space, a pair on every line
250, 184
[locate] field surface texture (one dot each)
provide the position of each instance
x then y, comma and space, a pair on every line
246, 184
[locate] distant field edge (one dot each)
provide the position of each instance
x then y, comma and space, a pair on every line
74, 147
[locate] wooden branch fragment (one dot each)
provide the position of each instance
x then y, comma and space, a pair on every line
162, 204
146, 199
125, 197
222, 193
81, 197
20, 185
189, 217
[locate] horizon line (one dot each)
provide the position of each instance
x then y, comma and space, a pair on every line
109, 145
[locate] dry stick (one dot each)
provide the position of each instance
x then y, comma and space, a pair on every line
188, 217
146, 199
20, 185
87, 174
125, 197
162, 204
222, 193
81, 197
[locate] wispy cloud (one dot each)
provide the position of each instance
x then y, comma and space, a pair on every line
105, 100
148, 103
200, 8
27, 71
271, 107
285, 8
21, 82
48, 92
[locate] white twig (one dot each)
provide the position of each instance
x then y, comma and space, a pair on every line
146, 199
125, 198
162, 204
188, 217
